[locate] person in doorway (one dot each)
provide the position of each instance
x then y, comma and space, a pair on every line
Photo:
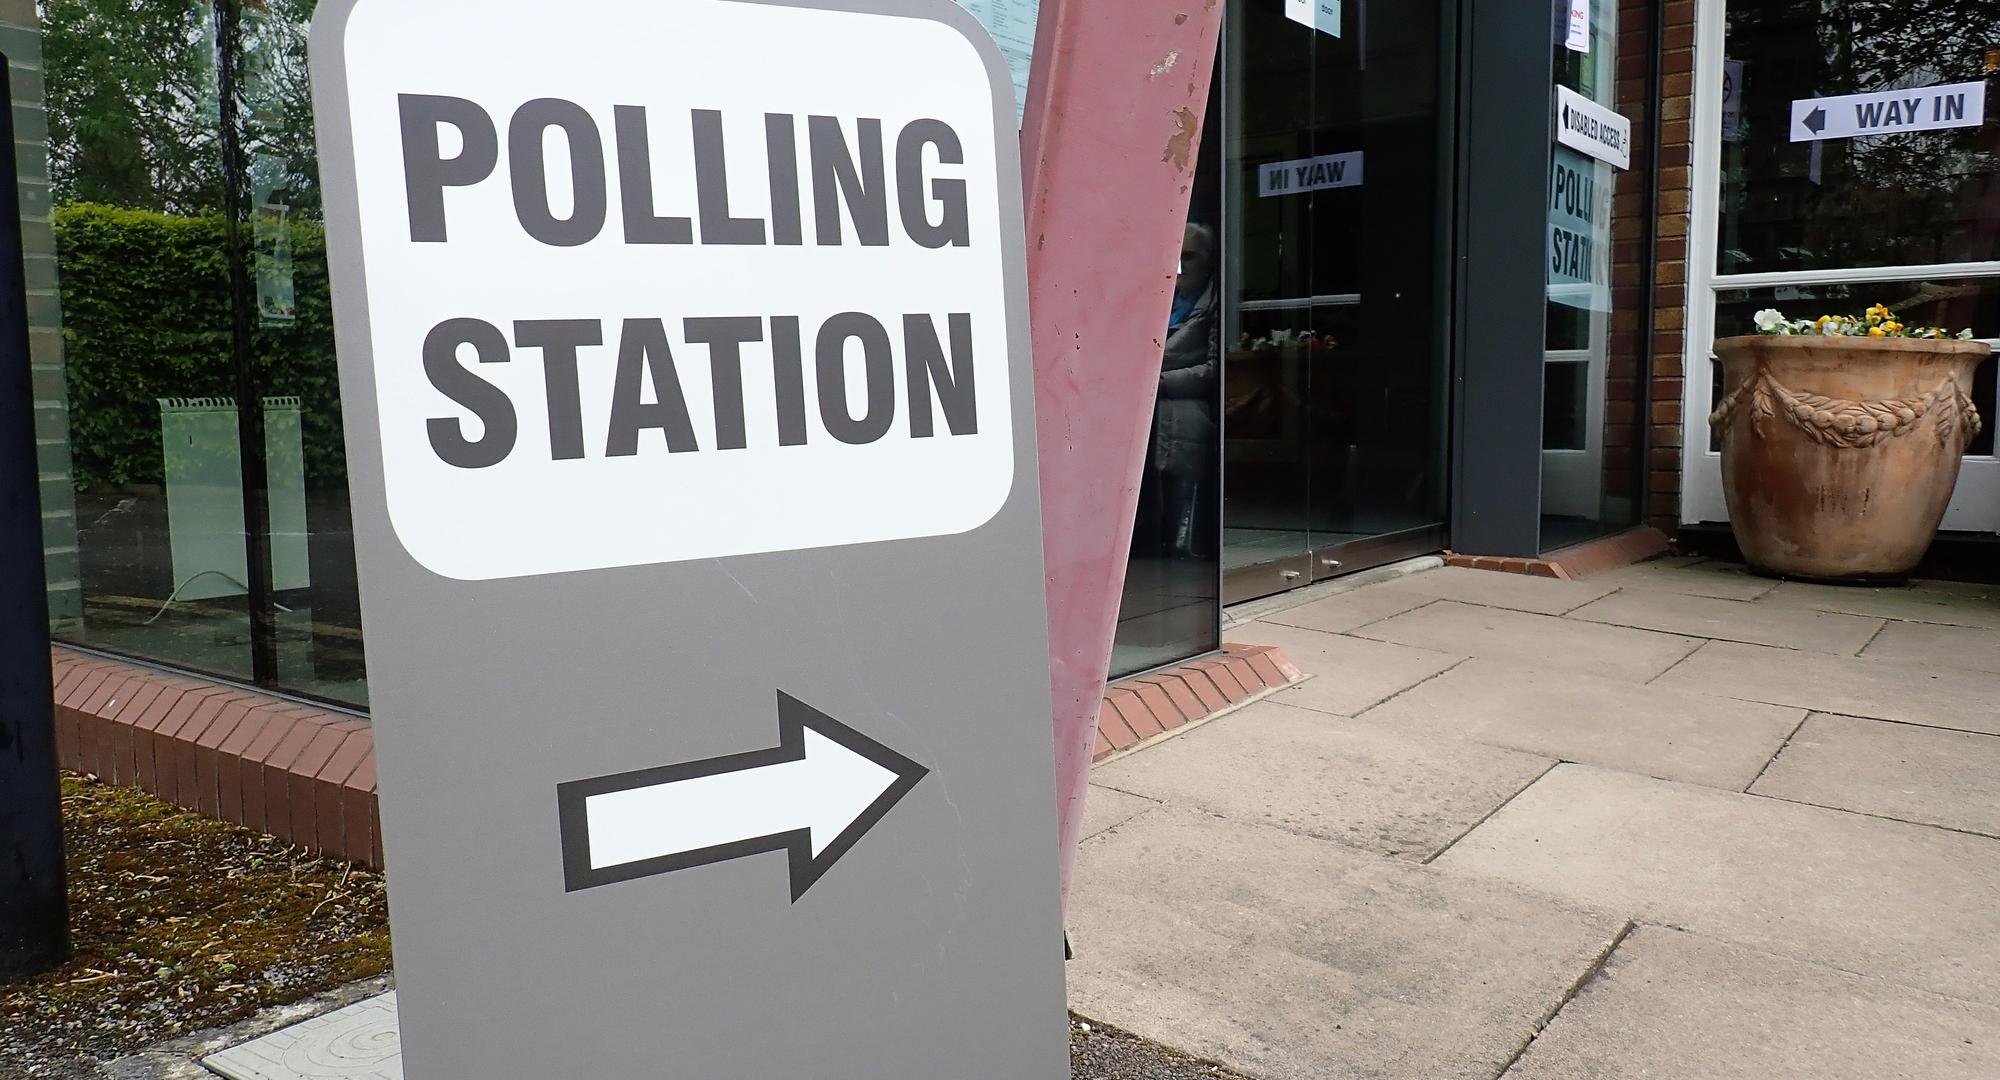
1184, 429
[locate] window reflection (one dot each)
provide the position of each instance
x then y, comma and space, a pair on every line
1916, 198
1172, 606
197, 327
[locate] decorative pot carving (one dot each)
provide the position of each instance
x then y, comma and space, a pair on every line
1839, 454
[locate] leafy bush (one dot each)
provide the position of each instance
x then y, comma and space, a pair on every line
147, 312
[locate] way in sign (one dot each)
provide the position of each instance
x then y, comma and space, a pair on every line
1887, 112
1309, 174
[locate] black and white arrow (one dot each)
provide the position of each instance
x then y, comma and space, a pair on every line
1815, 121
813, 796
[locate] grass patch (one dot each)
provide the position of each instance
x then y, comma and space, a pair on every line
180, 923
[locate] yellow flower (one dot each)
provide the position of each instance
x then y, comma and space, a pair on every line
1876, 331
1893, 327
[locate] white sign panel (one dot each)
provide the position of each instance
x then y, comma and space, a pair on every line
1309, 174
1580, 193
1579, 26
1889, 112
1321, 15
1326, 16
766, 309
1583, 124
1012, 24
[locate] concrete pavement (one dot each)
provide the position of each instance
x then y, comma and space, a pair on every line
1671, 821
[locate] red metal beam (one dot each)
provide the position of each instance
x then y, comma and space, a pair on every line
1109, 145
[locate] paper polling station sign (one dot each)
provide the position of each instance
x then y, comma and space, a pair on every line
684, 357
1580, 192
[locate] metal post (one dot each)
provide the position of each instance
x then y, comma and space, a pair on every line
1506, 127
34, 915
1109, 146
250, 383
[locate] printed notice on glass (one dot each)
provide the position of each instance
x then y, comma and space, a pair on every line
1012, 24
1321, 15
1579, 26
1732, 100
1583, 124
1580, 193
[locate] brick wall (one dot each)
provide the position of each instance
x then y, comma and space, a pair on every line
21, 40
1626, 398
1663, 509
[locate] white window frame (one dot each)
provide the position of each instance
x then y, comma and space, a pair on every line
1975, 506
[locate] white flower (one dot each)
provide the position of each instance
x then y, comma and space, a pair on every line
1770, 319
1965, 335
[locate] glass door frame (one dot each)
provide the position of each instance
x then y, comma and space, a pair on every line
1326, 561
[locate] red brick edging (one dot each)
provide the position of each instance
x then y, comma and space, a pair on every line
1570, 563
1147, 706
307, 775
302, 774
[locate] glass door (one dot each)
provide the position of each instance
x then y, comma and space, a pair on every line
1334, 392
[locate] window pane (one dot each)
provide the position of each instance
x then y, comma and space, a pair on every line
1563, 416
1172, 607
1955, 305
146, 323
1913, 198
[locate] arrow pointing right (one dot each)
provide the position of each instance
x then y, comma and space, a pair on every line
812, 796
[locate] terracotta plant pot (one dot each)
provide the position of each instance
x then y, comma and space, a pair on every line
1839, 454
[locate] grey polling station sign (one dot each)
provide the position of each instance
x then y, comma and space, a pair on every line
684, 358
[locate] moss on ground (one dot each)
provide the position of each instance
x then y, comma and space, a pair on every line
182, 923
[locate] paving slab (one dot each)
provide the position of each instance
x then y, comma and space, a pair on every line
1917, 905
1734, 620
359, 1042
1673, 1004
1289, 958
1385, 792
1914, 693
1930, 775
1518, 592
1350, 673
1672, 734
1949, 603
1933, 643
1689, 577
1615, 652
1351, 610
1107, 808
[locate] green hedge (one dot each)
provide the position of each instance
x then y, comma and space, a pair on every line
147, 314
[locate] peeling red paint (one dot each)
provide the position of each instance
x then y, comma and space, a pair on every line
1180, 148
